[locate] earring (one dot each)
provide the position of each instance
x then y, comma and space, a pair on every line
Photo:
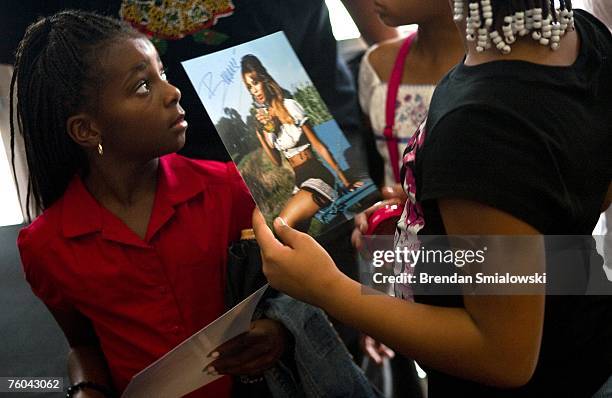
100, 149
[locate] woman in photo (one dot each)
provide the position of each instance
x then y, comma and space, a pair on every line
284, 131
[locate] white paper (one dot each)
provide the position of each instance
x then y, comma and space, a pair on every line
183, 369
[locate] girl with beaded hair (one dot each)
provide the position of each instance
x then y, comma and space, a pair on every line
516, 143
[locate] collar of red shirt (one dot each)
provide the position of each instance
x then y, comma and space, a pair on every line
82, 214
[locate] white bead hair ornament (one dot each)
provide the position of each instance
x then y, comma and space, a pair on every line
519, 24
555, 38
546, 31
458, 10
564, 20
483, 39
537, 18
529, 19
508, 30
473, 22
547, 27
470, 30
487, 12
499, 42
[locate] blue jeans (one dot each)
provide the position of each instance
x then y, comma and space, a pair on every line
319, 366
605, 391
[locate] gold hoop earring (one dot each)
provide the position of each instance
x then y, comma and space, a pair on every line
100, 149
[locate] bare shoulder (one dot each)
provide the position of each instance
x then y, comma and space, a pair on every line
382, 57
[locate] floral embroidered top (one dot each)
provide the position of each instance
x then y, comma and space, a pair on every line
412, 219
411, 109
166, 19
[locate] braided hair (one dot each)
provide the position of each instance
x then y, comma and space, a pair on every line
58, 74
499, 22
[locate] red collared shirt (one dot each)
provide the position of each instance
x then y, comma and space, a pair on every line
143, 297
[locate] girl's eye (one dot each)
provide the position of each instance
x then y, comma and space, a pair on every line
143, 87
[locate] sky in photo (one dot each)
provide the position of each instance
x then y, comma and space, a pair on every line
218, 81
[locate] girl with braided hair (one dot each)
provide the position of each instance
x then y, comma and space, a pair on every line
515, 150
130, 249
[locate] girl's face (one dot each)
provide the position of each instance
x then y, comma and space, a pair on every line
404, 12
255, 86
139, 113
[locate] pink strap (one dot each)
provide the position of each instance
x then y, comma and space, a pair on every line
392, 89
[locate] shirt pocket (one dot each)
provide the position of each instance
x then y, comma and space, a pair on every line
97, 267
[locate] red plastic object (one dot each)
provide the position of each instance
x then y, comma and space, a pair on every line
384, 220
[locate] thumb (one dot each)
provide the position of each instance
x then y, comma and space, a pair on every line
286, 234
266, 239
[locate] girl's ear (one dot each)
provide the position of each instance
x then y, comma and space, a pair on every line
83, 130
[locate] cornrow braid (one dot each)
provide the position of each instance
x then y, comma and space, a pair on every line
56, 75
499, 23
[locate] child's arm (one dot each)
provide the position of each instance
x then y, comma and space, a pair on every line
494, 340
86, 361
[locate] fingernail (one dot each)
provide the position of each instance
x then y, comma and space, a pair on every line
210, 370
215, 354
281, 221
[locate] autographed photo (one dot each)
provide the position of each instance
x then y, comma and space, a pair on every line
288, 148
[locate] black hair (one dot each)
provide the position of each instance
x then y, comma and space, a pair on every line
505, 7
57, 74
272, 90
498, 22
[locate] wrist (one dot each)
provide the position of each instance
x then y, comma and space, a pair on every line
328, 289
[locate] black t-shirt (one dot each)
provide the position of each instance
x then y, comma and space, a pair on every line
534, 141
306, 24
